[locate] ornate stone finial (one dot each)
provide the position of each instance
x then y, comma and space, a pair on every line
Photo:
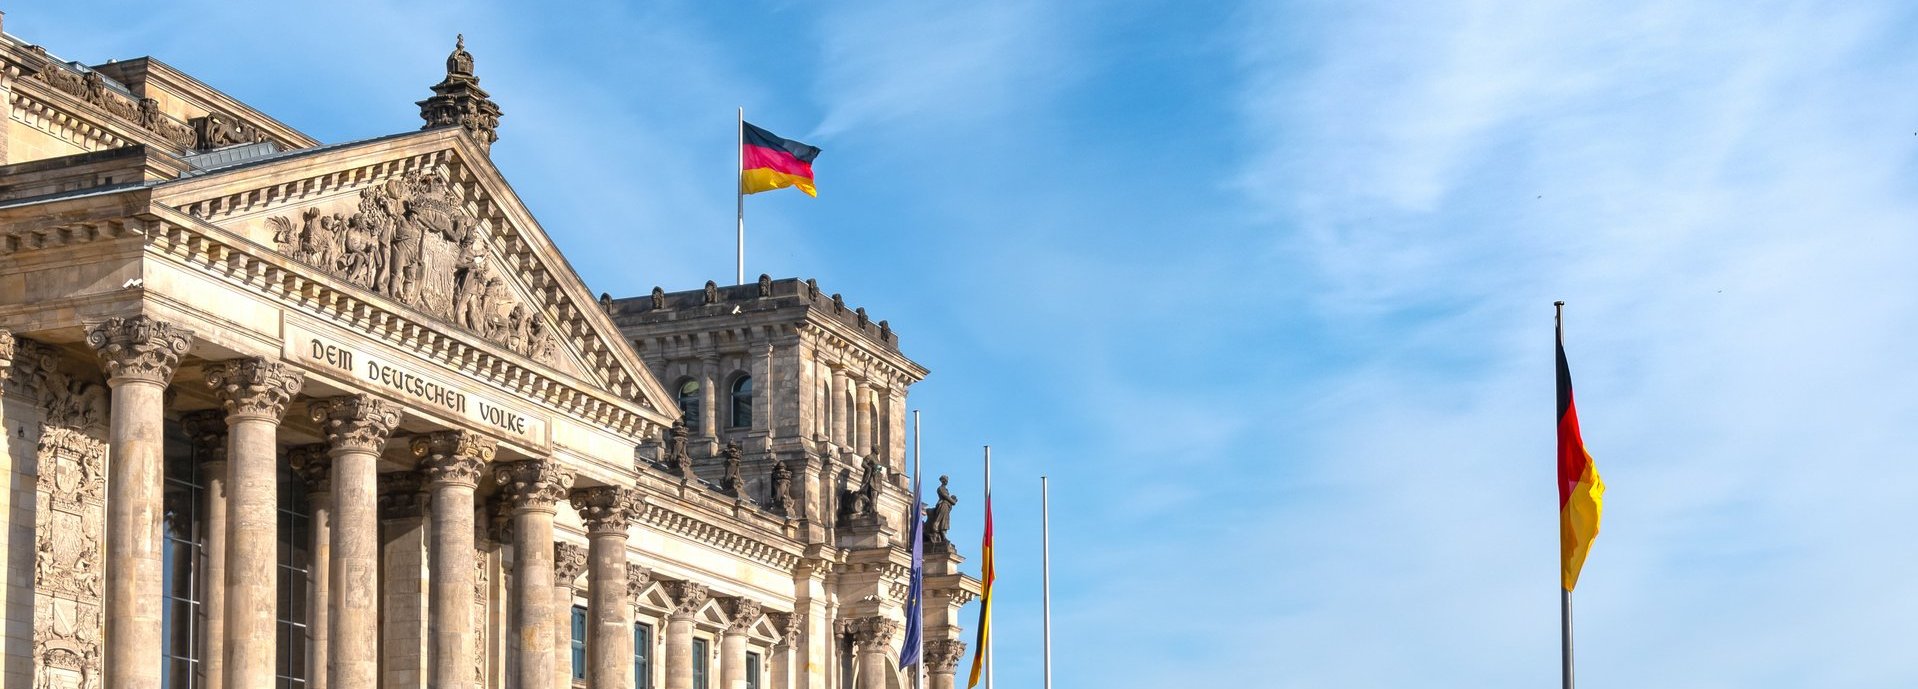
678, 461
637, 579
313, 465
460, 62
712, 292
459, 100
734, 483
942, 655
254, 387
688, 597
782, 489
765, 285
745, 612
401, 496
206, 429
604, 509
569, 561
535, 485
357, 423
453, 457
139, 348
659, 297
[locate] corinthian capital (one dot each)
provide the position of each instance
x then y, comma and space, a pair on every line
569, 561
313, 465
533, 484
874, 632
744, 612
688, 597
139, 348
604, 509
355, 423
206, 429
453, 457
637, 579
942, 655
788, 625
254, 387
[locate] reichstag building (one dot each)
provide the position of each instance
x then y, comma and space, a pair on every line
288, 414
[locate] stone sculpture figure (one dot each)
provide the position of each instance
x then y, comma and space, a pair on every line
677, 460
734, 484
782, 482
939, 516
866, 497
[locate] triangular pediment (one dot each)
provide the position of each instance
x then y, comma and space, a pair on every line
424, 223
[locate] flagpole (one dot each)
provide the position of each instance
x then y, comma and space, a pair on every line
739, 180
988, 649
1564, 594
1045, 573
919, 668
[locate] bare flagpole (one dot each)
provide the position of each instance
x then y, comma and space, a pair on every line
739, 179
1564, 594
919, 668
1045, 572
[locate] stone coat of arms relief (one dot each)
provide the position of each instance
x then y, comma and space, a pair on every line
410, 240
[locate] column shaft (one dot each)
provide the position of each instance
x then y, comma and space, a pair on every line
532, 598
254, 392
732, 659
709, 396
679, 652
841, 393
862, 416
135, 459
609, 651
319, 594
452, 462
356, 427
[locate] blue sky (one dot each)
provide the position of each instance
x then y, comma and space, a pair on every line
1266, 287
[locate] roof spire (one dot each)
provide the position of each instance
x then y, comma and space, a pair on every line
459, 100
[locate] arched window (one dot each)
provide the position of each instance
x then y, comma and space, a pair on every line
743, 402
689, 403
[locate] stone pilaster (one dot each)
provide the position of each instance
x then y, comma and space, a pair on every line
533, 488
356, 428
140, 354
872, 641
254, 392
401, 582
207, 430
942, 658
790, 626
315, 468
608, 514
841, 411
744, 613
709, 395
688, 598
452, 461
569, 561
862, 417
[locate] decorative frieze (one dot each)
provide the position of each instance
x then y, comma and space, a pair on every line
89, 86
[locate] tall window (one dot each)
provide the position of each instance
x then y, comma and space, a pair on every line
579, 642
743, 402
699, 663
752, 670
642, 656
689, 403
181, 611
295, 561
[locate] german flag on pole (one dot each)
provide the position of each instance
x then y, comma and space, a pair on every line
1580, 492
767, 162
982, 650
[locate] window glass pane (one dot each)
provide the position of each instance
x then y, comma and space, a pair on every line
752, 670
579, 642
699, 664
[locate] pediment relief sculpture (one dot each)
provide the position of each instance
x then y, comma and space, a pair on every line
410, 240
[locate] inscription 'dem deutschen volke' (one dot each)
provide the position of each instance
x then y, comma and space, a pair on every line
412, 385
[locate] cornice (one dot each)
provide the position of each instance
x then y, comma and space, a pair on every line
663, 518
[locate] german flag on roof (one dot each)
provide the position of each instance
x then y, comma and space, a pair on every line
768, 162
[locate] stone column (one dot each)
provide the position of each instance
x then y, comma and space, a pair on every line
315, 468
401, 590
608, 514
569, 561
688, 598
207, 429
451, 462
942, 657
709, 395
841, 392
862, 417
139, 354
254, 392
356, 428
732, 642
533, 489
872, 641
897, 435
789, 625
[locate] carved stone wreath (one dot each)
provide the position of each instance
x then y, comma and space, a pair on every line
411, 240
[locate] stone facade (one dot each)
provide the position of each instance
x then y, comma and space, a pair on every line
241, 366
